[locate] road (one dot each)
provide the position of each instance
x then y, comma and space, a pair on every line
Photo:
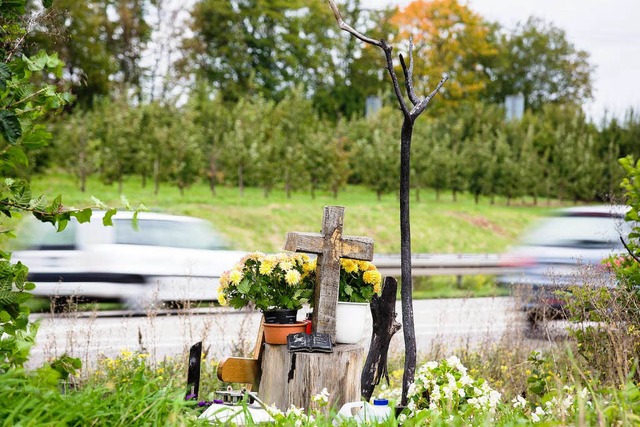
448, 323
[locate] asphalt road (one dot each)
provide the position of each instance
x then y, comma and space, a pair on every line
446, 323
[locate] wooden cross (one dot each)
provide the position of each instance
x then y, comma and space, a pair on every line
330, 245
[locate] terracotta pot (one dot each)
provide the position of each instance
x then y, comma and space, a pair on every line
276, 333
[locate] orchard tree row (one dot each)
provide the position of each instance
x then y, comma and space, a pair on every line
554, 153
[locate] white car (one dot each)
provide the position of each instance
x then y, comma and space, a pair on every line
563, 250
167, 258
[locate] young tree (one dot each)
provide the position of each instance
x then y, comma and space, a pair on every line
409, 117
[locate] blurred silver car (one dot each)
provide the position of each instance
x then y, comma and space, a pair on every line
563, 250
167, 258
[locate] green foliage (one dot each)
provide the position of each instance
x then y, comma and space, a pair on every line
279, 281
608, 335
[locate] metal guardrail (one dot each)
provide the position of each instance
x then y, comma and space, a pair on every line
444, 264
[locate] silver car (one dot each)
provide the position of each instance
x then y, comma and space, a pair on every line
167, 258
563, 250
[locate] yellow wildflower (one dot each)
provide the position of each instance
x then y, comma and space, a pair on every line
126, 353
349, 265
292, 277
235, 277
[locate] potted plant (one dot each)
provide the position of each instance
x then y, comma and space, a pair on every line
278, 284
359, 282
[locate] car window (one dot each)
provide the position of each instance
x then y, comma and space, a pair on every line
177, 234
591, 232
44, 236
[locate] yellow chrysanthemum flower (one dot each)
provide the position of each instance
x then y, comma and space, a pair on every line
235, 277
286, 265
221, 299
310, 266
292, 277
364, 265
349, 265
372, 277
267, 266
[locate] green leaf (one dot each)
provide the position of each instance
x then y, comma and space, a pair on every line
47, 3
5, 74
10, 126
107, 217
29, 286
83, 215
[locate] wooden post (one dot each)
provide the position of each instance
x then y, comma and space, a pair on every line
193, 374
293, 379
330, 245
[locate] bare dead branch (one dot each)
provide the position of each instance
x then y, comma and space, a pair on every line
408, 75
382, 45
418, 109
346, 27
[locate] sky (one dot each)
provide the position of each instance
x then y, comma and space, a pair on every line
608, 29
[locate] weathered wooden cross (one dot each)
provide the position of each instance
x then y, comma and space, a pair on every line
330, 245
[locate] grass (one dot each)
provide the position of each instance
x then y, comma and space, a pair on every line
253, 222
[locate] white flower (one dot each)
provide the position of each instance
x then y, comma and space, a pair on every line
519, 402
461, 392
412, 390
431, 365
402, 418
537, 414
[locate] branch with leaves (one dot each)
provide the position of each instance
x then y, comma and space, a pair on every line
410, 115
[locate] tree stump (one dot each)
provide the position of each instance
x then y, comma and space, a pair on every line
293, 378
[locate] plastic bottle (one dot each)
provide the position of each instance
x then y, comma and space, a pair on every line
364, 412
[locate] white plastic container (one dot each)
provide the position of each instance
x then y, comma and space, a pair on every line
364, 412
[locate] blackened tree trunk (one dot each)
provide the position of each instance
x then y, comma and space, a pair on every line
383, 314
409, 117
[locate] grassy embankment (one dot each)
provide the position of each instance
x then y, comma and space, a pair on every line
255, 223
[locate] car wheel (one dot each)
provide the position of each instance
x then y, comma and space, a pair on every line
534, 328
59, 304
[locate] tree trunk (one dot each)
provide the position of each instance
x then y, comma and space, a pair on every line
476, 197
418, 194
437, 194
212, 174
156, 175
383, 313
241, 180
405, 259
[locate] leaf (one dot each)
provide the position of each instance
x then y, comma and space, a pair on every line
10, 126
107, 217
47, 3
5, 74
83, 215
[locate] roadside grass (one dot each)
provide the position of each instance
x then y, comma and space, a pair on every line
133, 389
255, 223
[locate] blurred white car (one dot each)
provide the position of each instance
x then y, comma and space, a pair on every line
563, 250
167, 258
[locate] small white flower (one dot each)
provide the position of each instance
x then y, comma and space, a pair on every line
431, 365
519, 402
402, 418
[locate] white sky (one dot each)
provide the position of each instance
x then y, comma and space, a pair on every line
608, 29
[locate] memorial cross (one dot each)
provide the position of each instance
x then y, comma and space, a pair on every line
330, 245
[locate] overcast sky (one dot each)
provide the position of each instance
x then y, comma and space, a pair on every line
608, 29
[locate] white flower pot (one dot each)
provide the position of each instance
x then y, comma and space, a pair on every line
351, 320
